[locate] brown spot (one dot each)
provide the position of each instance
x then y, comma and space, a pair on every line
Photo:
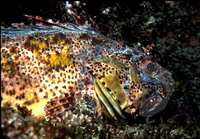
58, 37
70, 88
60, 115
27, 42
40, 90
21, 96
62, 100
69, 116
51, 111
72, 109
108, 89
28, 102
72, 94
46, 95
66, 95
24, 110
68, 41
97, 41
99, 77
58, 108
77, 112
17, 44
12, 92
56, 87
12, 50
73, 103
119, 101
84, 36
17, 97
53, 103
3, 40
86, 112
70, 99
66, 105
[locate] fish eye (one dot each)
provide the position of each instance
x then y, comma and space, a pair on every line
149, 67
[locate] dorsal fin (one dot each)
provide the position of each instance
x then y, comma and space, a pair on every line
66, 25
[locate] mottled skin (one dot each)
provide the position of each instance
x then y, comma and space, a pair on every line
56, 72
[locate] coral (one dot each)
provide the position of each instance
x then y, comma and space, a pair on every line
20, 125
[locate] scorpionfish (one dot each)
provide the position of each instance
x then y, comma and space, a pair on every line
73, 74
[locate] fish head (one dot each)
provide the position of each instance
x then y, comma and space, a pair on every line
130, 84
150, 92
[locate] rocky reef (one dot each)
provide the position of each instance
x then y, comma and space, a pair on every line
173, 28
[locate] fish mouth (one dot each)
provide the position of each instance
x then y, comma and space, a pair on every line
158, 99
153, 105
109, 105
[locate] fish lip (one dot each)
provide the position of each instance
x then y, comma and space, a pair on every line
152, 105
157, 101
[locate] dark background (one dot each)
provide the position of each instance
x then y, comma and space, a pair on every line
173, 27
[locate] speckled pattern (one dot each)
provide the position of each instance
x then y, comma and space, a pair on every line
57, 73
